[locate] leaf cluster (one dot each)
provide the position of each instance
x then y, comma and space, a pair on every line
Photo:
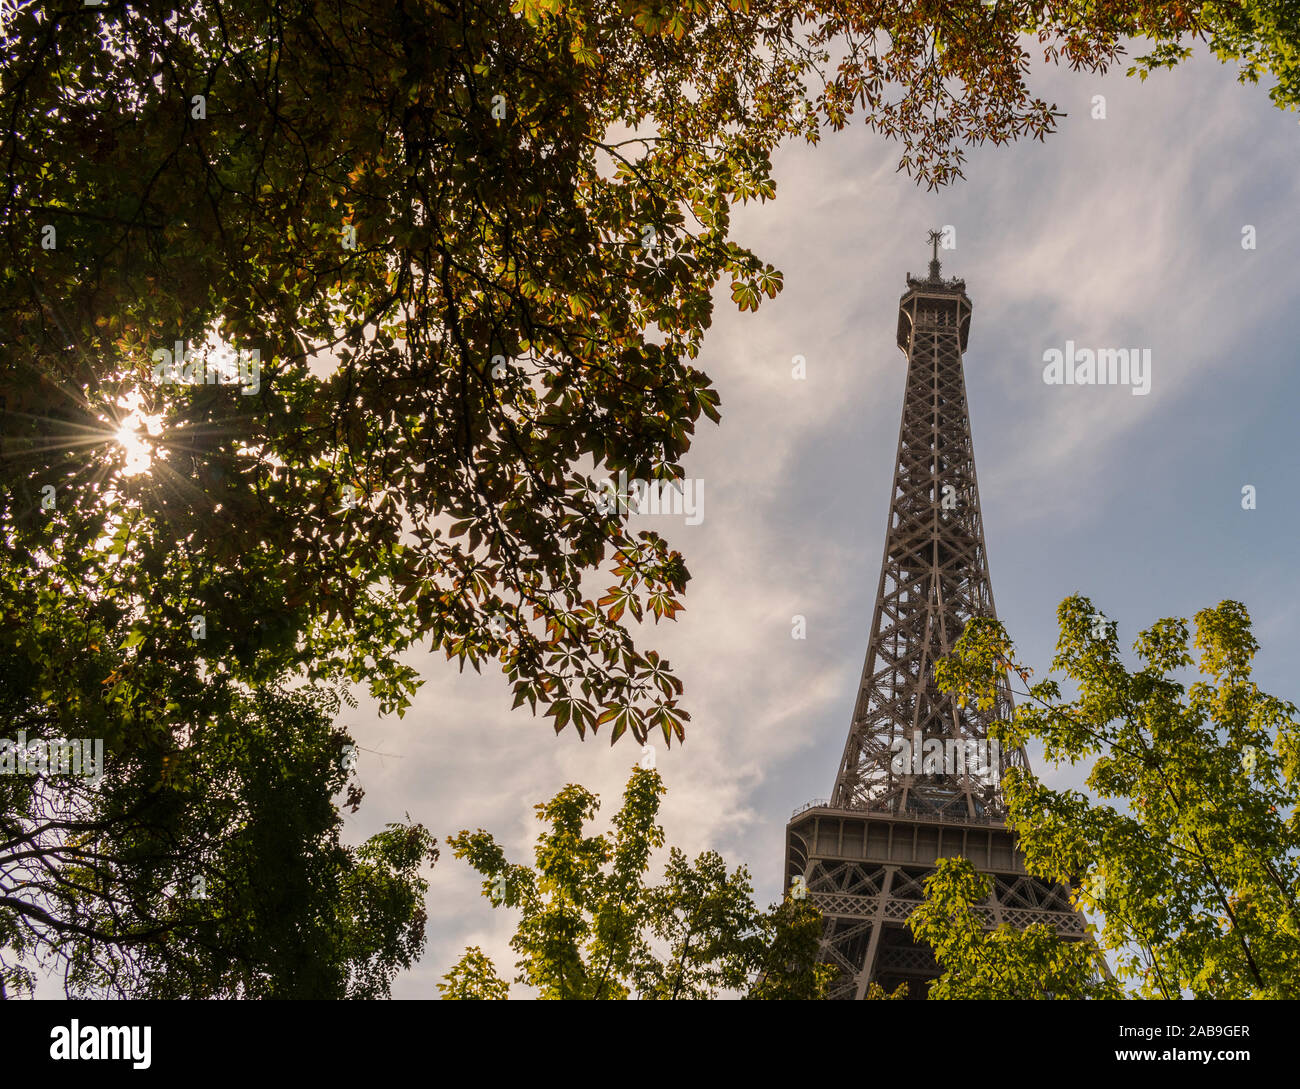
591, 927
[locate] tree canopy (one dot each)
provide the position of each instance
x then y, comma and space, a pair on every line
1005, 963
591, 928
471, 248
205, 863
1189, 851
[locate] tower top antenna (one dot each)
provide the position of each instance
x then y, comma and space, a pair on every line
934, 238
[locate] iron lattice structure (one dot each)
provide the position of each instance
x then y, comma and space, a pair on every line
863, 856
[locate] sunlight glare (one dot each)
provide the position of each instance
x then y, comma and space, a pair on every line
135, 444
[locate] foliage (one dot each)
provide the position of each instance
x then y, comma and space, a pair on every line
206, 862
1006, 963
790, 947
1263, 36
474, 977
1189, 848
591, 928
875, 992
475, 245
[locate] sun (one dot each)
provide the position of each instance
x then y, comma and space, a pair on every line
139, 454
133, 435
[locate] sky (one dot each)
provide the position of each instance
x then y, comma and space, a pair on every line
1122, 231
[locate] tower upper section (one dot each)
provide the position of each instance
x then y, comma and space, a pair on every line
912, 748
933, 303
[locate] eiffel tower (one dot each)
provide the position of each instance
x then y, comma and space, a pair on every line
919, 779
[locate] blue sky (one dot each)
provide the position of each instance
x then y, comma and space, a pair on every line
1122, 232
